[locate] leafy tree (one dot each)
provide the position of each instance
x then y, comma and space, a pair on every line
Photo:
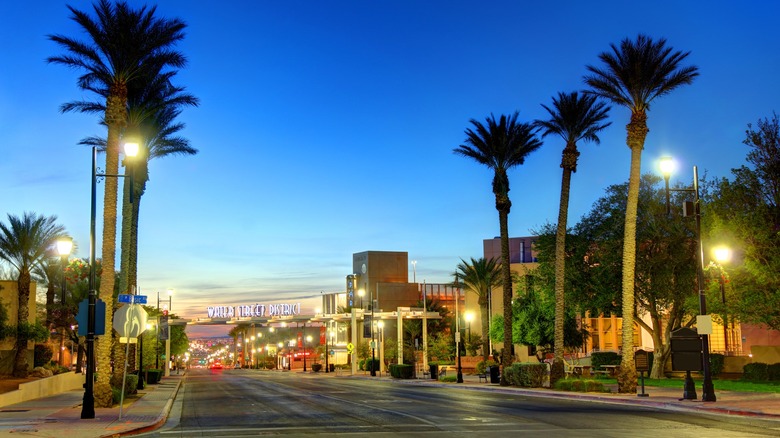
664, 287
633, 75
480, 277
23, 244
744, 213
125, 45
501, 145
574, 118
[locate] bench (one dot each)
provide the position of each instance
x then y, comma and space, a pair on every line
482, 377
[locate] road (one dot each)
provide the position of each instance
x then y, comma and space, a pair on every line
227, 403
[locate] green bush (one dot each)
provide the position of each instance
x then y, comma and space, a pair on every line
362, 365
42, 355
599, 358
483, 364
56, 368
773, 372
131, 383
717, 361
448, 379
402, 371
755, 372
527, 375
116, 395
153, 376
371, 363
580, 385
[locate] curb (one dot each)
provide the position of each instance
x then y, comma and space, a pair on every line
161, 419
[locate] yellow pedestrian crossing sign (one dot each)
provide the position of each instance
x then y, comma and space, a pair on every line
350, 348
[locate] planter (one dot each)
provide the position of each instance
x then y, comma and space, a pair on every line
317, 367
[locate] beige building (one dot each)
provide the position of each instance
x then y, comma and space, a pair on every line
9, 296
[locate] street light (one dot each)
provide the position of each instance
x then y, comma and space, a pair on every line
722, 255
468, 316
667, 165
381, 326
64, 246
457, 328
88, 404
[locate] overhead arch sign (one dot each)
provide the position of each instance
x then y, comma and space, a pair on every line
254, 310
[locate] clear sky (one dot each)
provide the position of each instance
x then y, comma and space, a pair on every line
327, 128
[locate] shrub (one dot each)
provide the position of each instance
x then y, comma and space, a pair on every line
153, 376
755, 372
317, 367
371, 363
42, 355
580, 385
599, 358
402, 371
773, 372
483, 364
528, 375
448, 379
717, 362
131, 383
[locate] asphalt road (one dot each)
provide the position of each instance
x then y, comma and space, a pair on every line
227, 403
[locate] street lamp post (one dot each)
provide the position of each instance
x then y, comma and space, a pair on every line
708, 390
457, 328
381, 327
88, 404
327, 352
64, 246
723, 255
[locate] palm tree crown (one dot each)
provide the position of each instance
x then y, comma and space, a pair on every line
639, 71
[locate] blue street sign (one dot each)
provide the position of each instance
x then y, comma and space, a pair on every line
130, 299
100, 317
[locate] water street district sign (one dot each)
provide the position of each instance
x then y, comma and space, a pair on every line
130, 321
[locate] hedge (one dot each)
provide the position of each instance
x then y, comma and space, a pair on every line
402, 371
528, 375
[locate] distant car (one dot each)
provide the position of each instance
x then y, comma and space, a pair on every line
216, 366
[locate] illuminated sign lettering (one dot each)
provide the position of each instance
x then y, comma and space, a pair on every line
254, 310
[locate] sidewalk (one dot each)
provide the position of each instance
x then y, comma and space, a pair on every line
60, 415
52, 416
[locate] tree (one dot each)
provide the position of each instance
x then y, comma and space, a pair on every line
480, 277
125, 45
664, 287
23, 244
634, 75
744, 213
573, 118
501, 145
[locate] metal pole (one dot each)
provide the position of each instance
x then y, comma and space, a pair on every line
725, 317
304, 347
457, 328
707, 390
88, 404
373, 346
141, 367
327, 352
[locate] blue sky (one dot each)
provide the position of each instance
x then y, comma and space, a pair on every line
327, 128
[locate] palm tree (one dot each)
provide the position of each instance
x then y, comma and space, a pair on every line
23, 244
501, 145
481, 276
125, 46
574, 118
152, 111
633, 75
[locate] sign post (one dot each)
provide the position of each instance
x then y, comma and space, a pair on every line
642, 365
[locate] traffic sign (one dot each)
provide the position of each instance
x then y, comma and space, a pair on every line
130, 321
132, 299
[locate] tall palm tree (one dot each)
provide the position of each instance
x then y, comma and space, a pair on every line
633, 75
501, 145
574, 117
124, 45
23, 243
153, 106
481, 276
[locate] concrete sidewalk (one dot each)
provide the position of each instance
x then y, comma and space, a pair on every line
60, 415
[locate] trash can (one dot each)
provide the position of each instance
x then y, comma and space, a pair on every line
495, 374
434, 369
332, 368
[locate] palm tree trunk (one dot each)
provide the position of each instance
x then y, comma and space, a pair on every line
21, 367
557, 370
485, 314
116, 117
637, 131
506, 354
